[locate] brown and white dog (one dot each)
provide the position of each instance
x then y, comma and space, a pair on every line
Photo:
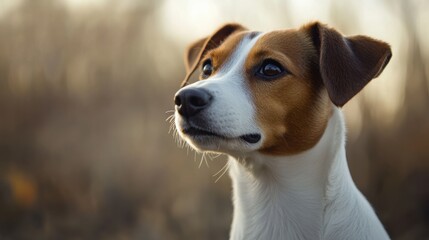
271, 102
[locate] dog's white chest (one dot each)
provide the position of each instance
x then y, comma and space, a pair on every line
306, 196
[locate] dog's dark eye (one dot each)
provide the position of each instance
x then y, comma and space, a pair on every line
207, 68
270, 69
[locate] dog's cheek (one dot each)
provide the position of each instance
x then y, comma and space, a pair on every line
291, 114
270, 109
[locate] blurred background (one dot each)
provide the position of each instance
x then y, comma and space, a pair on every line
86, 87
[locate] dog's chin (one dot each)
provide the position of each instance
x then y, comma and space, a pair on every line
203, 141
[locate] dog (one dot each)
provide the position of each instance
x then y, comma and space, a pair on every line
271, 101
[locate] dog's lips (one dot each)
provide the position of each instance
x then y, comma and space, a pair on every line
192, 131
251, 138
197, 132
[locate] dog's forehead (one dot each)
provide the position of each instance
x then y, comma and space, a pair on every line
253, 45
230, 46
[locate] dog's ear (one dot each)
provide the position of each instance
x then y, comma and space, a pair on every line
196, 50
192, 53
347, 64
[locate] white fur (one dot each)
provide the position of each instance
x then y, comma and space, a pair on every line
306, 196
310, 195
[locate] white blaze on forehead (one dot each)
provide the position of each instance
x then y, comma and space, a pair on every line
235, 63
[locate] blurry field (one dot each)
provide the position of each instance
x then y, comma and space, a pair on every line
85, 151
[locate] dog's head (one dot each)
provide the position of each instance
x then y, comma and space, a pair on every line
271, 92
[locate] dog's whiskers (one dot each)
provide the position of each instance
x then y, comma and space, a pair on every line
182, 143
223, 170
170, 118
203, 158
173, 130
212, 155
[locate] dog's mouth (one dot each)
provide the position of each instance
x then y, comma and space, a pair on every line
197, 132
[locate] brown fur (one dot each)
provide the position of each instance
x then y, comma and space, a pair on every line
197, 50
221, 54
347, 64
292, 110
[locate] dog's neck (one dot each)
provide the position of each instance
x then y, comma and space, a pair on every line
286, 197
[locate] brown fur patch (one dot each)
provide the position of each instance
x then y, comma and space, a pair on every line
198, 49
294, 109
221, 54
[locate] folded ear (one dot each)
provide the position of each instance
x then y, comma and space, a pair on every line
196, 50
347, 64
192, 52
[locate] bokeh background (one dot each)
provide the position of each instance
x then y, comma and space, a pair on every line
86, 87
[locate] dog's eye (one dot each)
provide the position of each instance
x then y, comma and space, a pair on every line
207, 68
270, 69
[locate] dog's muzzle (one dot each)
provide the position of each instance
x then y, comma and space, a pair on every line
192, 101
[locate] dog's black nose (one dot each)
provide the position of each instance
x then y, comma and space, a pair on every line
191, 101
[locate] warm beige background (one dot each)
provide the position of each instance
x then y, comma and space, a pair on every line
85, 151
